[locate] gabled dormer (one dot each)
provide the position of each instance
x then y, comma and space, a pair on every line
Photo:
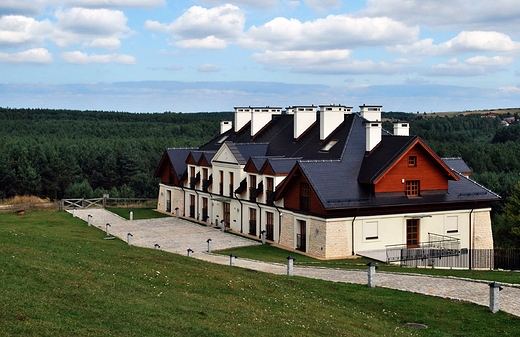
299, 193
172, 166
405, 165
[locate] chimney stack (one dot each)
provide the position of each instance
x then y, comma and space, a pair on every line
260, 116
242, 117
331, 116
225, 126
372, 113
304, 117
401, 129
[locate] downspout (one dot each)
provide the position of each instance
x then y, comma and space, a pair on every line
241, 213
279, 221
470, 239
197, 203
260, 219
183, 201
353, 220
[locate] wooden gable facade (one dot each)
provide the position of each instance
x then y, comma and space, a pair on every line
419, 164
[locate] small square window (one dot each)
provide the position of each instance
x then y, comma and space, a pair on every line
412, 161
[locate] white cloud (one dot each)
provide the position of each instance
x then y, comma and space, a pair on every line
210, 42
260, 4
33, 56
490, 61
323, 5
77, 57
100, 28
302, 58
116, 3
202, 28
464, 42
332, 32
474, 66
21, 7
208, 68
510, 90
454, 14
19, 30
324, 62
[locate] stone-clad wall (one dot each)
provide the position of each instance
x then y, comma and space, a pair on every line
287, 231
328, 239
482, 233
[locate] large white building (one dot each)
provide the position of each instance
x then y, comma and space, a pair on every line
330, 183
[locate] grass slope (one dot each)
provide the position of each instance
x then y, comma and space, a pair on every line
58, 277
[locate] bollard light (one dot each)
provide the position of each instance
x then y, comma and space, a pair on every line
131, 215
209, 245
128, 236
262, 235
232, 258
190, 251
372, 274
108, 229
89, 217
494, 297
290, 265
157, 246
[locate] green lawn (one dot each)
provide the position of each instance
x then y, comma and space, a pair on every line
270, 253
58, 277
139, 213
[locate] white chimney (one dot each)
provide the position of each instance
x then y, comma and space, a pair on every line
242, 117
372, 113
304, 117
225, 126
331, 116
260, 116
401, 129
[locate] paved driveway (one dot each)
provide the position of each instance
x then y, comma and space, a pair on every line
171, 234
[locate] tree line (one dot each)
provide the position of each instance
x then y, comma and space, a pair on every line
64, 153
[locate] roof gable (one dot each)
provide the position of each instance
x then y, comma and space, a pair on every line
390, 152
226, 155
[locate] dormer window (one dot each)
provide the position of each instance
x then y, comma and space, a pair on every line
412, 188
412, 161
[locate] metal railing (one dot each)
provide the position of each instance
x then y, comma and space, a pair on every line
437, 246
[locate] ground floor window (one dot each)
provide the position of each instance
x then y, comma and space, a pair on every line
301, 236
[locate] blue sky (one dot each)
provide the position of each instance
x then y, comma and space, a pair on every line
211, 55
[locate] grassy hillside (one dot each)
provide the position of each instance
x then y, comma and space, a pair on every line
58, 277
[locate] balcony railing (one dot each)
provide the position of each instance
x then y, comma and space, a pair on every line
437, 246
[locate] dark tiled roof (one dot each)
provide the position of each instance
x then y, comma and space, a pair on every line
178, 159
282, 165
457, 164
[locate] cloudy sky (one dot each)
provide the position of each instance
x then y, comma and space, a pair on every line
212, 55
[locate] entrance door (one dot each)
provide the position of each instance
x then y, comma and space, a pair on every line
269, 226
226, 213
168, 201
412, 233
192, 206
252, 221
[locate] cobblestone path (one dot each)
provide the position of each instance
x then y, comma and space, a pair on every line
177, 235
